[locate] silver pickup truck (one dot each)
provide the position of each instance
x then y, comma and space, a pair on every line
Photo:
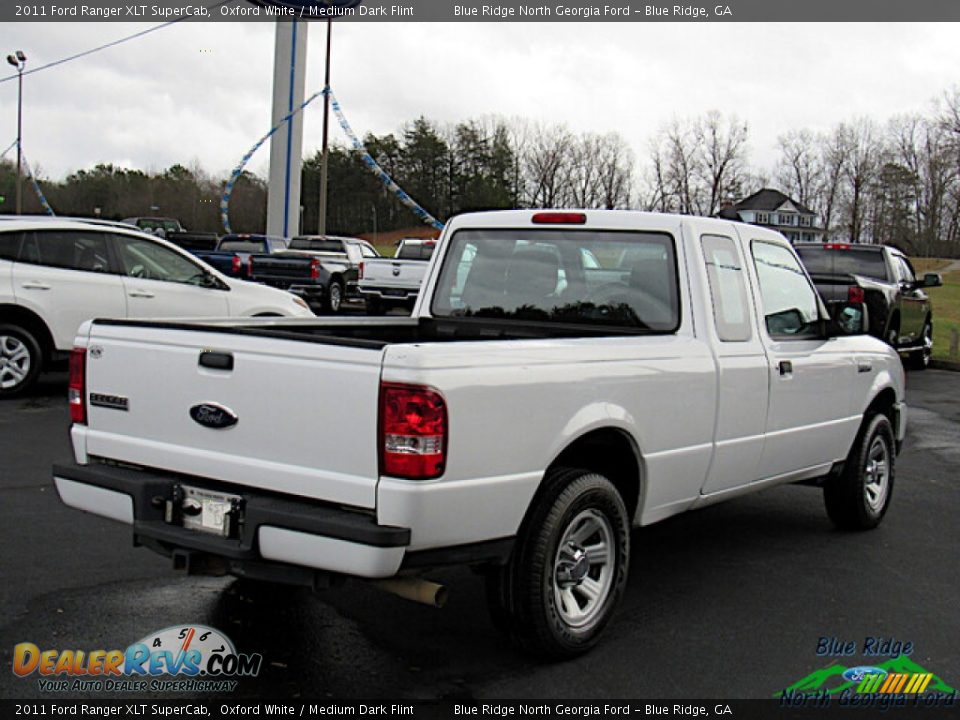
388, 282
565, 376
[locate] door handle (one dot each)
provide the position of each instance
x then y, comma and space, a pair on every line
864, 366
786, 367
35, 285
140, 294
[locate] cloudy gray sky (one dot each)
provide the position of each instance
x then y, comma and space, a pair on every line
200, 92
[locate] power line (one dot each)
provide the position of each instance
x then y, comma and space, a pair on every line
110, 44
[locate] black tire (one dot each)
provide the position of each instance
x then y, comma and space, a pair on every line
920, 357
374, 306
858, 498
537, 596
21, 360
335, 296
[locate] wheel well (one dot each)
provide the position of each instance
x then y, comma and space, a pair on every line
30, 321
882, 404
611, 453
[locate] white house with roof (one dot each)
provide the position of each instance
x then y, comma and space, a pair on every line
772, 209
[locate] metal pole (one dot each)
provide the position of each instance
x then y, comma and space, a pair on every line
322, 220
20, 140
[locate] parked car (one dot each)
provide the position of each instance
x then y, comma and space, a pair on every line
386, 282
899, 311
156, 225
508, 425
56, 274
232, 253
323, 270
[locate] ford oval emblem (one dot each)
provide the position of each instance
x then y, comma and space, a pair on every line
856, 674
213, 416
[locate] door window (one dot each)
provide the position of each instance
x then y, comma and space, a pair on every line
67, 249
141, 258
731, 311
9, 245
790, 305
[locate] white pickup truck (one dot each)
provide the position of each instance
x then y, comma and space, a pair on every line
564, 376
385, 282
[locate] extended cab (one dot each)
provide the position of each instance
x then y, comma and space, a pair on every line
883, 279
385, 282
564, 377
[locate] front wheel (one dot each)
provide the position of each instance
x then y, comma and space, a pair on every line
858, 498
569, 567
20, 360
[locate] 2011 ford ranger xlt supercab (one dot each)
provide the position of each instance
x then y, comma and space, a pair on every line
565, 376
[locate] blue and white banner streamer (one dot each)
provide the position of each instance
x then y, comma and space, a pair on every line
379, 171
36, 187
371, 164
238, 170
11, 147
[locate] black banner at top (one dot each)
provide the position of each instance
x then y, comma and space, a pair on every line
482, 10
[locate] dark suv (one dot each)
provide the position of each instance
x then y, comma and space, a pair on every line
898, 309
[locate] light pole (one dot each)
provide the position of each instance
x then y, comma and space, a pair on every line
322, 222
19, 61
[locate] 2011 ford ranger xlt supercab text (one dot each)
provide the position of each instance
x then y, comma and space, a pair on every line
565, 376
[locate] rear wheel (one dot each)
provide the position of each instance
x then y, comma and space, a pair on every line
568, 569
20, 360
858, 498
335, 296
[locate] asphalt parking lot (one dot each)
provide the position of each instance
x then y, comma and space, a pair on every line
727, 602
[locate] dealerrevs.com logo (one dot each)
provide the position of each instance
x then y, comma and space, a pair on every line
182, 658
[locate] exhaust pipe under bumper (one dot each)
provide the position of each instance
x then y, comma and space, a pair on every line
413, 588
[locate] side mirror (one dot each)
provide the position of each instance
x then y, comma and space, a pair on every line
932, 280
848, 319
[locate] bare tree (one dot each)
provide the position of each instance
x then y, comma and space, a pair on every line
798, 168
721, 145
547, 165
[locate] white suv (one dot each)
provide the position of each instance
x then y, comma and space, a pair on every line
55, 274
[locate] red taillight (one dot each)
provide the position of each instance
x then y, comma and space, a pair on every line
559, 218
855, 294
314, 269
836, 246
77, 389
360, 272
235, 264
250, 266
413, 431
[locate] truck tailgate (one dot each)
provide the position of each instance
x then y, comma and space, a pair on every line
306, 412
393, 273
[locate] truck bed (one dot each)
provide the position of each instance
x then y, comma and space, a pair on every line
377, 334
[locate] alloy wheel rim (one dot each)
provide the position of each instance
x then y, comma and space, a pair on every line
876, 473
14, 362
334, 297
583, 568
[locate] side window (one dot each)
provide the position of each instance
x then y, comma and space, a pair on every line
10, 245
367, 251
67, 249
906, 270
141, 258
731, 310
790, 304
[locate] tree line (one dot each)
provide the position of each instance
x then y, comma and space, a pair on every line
895, 182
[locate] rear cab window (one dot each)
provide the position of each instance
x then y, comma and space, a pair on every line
624, 279
728, 289
834, 259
